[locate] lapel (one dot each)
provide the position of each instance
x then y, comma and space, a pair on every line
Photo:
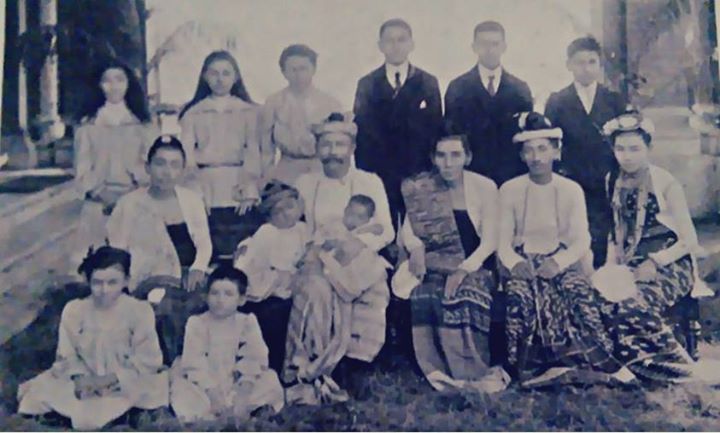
577, 102
477, 90
381, 86
410, 81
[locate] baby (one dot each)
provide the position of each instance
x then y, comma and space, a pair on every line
343, 238
224, 366
271, 256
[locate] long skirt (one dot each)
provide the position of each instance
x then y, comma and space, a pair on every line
644, 340
450, 335
91, 232
191, 403
273, 315
46, 393
557, 323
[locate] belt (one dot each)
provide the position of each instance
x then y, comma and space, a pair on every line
222, 164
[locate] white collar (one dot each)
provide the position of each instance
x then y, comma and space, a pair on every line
391, 70
586, 90
114, 114
485, 73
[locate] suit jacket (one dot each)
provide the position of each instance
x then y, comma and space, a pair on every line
586, 155
396, 132
487, 122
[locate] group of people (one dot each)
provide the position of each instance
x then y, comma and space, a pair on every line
306, 236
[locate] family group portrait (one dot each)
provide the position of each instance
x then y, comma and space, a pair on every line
390, 215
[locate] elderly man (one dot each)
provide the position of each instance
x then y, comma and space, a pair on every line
338, 309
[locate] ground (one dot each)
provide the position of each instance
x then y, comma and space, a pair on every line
395, 397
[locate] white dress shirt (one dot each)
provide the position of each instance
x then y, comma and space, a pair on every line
325, 200
390, 71
486, 73
586, 94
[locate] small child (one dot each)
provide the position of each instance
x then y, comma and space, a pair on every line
344, 237
108, 356
224, 366
271, 256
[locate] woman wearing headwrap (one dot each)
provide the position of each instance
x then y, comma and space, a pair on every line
329, 320
654, 237
554, 325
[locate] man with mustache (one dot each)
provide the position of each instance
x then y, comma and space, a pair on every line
333, 318
327, 193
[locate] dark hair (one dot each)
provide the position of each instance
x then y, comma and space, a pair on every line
456, 137
300, 50
168, 142
364, 201
647, 138
104, 258
203, 89
587, 43
489, 26
395, 22
225, 272
134, 97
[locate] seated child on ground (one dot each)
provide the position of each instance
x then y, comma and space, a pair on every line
108, 357
271, 256
223, 370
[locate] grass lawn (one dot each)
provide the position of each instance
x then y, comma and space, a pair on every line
401, 400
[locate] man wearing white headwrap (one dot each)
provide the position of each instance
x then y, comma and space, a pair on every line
328, 322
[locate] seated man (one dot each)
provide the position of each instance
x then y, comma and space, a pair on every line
331, 319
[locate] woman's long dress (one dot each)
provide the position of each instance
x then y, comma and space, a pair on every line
644, 340
450, 335
121, 340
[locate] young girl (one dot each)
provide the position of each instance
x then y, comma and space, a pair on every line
221, 139
224, 365
108, 357
110, 147
289, 114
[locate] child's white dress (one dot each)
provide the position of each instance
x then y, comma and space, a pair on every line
121, 340
272, 251
227, 355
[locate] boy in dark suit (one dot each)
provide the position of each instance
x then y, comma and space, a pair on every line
398, 111
580, 110
480, 104
399, 115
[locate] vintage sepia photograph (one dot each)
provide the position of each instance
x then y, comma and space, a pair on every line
334, 215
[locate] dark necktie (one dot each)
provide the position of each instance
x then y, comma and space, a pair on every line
397, 84
491, 85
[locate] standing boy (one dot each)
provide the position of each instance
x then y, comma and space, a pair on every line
580, 110
480, 104
399, 115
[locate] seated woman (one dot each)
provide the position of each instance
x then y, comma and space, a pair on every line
108, 356
654, 236
553, 313
164, 226
450, 230
224, 365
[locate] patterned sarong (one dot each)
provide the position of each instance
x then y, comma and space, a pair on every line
449, 334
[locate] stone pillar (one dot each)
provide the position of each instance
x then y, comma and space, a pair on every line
49, 90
